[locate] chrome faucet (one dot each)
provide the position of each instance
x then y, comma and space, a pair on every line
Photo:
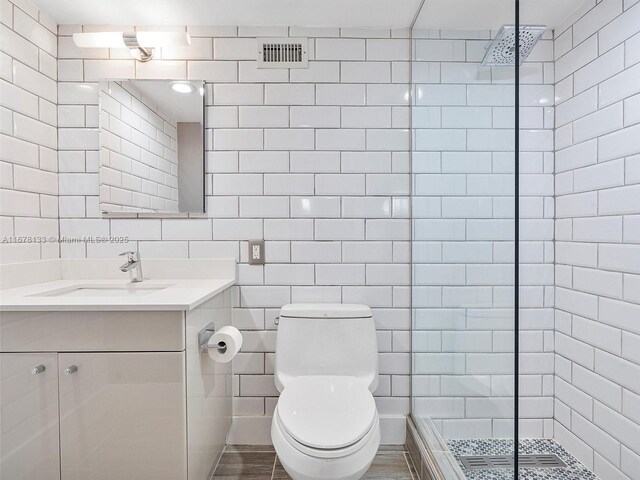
133, 263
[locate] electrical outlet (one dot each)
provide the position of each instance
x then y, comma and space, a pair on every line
256, 252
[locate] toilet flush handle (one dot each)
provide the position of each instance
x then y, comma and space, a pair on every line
277, 321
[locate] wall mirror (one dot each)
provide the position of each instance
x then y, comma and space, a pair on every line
151, 146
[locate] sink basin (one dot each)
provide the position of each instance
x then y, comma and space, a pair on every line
103, 290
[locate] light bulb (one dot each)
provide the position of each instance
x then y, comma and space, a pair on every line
181, 87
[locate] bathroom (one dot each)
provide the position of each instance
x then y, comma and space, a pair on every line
337, 239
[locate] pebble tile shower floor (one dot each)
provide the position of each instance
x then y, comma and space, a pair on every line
574, 471
261, 463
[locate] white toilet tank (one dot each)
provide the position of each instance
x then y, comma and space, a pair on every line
326, 339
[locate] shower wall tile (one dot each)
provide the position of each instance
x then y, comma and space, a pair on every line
28, 137
595, 200
463, 204
315, 161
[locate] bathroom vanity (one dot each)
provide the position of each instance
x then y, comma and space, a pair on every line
104, 379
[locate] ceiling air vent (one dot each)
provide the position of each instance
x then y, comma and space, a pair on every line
283, 53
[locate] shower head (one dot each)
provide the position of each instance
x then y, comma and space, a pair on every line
502, 50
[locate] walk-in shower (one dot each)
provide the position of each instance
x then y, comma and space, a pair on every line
539, 366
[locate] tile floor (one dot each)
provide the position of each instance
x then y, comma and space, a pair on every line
574, 471
261, 463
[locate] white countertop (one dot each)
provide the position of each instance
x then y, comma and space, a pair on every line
187, 283
179, 294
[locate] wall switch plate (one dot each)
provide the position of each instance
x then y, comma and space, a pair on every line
256, 252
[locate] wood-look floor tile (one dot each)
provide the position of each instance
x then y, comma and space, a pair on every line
412, 467
279, 473
391, 448
245, 466
389, 466
248, 448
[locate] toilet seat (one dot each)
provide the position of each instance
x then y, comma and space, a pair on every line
326, 416
305, 463
326, 453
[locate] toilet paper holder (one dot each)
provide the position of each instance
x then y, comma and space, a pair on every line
203, 339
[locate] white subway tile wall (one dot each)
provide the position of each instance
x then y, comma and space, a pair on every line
597, 328
314, 161
28, 134
463, 251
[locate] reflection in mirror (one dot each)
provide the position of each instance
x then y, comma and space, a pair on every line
151, 146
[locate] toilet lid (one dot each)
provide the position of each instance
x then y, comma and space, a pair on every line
326, 411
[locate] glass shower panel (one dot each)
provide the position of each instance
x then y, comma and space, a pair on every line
463, 220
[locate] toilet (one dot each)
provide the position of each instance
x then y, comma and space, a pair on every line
325, 424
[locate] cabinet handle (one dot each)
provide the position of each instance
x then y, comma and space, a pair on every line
38, 369
70, 370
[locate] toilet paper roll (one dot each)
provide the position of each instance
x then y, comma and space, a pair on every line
224, 344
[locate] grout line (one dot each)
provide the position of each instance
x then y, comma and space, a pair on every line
273, 470
410, 463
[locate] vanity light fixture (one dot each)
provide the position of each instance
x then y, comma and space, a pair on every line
140, 44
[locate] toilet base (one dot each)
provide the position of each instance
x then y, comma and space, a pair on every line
302, 466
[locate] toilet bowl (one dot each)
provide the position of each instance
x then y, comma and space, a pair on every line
325, 425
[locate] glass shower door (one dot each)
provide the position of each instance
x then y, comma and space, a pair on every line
463, 229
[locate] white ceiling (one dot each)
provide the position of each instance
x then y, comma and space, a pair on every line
455, 14
315, 13
185, 107
491, 14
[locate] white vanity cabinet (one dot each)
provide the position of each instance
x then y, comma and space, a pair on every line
122, 416
29, 447
122, 395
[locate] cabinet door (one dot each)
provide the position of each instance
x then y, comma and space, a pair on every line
122, 416
29, 416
